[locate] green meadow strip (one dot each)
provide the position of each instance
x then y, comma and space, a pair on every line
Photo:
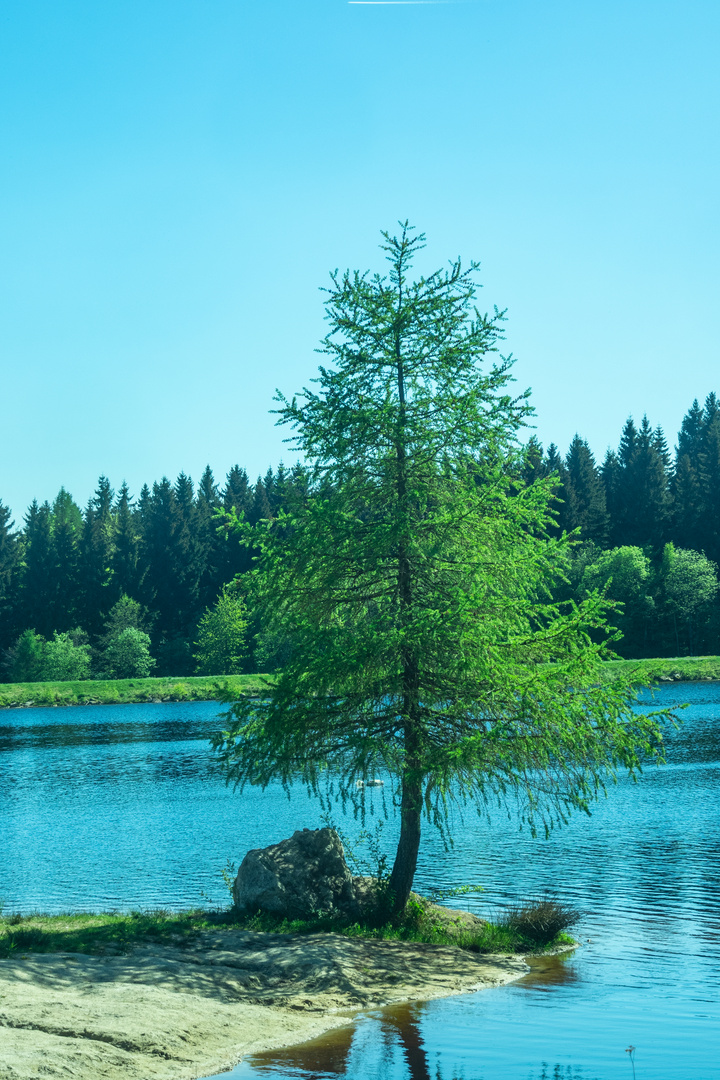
125, 691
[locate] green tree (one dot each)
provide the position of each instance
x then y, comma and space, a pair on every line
127, 655
638, 488
690, 585
413, 582
66, 530
126, 569
625, 576
10, 554
97, 588
25, 659
66, 658
38, 579
708, 533
584, 505
221, 636
126, 614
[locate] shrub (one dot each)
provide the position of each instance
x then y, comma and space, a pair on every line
127, 655
540, 921
222, 630
64, 660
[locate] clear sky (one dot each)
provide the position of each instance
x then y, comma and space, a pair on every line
177, 179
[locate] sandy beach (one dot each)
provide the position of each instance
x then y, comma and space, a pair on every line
180, 1013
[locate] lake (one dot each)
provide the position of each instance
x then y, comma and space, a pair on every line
122, 806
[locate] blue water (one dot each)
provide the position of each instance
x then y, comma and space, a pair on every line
122, 806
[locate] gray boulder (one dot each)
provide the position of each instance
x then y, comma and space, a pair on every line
297, 878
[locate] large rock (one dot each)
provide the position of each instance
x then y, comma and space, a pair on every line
300, 877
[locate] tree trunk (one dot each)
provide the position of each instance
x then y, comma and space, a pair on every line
403, 871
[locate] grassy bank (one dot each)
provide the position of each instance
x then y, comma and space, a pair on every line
121, 691
673, 669
211, 687
115, 933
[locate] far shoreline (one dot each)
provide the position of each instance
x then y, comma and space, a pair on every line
221, 688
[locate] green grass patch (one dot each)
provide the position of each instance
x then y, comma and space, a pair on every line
117, 933
100, 934
126, 691
672, 669
214, 687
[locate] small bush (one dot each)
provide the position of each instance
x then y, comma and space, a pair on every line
540, 921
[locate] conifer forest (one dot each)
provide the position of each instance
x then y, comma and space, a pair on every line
128, 585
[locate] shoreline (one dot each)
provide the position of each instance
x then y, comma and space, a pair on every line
191, 1010
219, 688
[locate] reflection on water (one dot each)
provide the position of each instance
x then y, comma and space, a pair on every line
391, 1042
122, 806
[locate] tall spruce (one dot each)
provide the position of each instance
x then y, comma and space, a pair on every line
708, 533
96, 554
208, 503
38, 580
66, 532
687, 484
126, 567
10, 554
638, 492
584, 505
161, 524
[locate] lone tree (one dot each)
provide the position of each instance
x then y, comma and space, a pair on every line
412, 582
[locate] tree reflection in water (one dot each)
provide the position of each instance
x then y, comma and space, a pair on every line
389, 1045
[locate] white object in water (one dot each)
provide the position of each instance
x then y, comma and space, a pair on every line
369, 783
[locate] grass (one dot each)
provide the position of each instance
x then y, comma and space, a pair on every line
671, 669
123, 691
213, 687
117, 933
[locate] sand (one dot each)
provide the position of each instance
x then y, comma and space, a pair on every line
186, 1012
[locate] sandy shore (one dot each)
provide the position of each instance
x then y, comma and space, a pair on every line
183, 1013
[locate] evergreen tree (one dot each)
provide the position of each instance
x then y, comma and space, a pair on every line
640, 505
98, 590
38, 579
260, 509
534, 466
126, 614
610, 472
188, 555
237, 495
208, 505
707, 536
691, 433
161, 526
10, 554
232, 558
126, 569
413, 582
24, 661
584, 505
66, 530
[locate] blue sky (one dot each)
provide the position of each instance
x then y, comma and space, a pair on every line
178, 178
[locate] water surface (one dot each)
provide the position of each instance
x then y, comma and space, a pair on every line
121, 806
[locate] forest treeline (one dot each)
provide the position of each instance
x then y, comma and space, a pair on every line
648, 521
